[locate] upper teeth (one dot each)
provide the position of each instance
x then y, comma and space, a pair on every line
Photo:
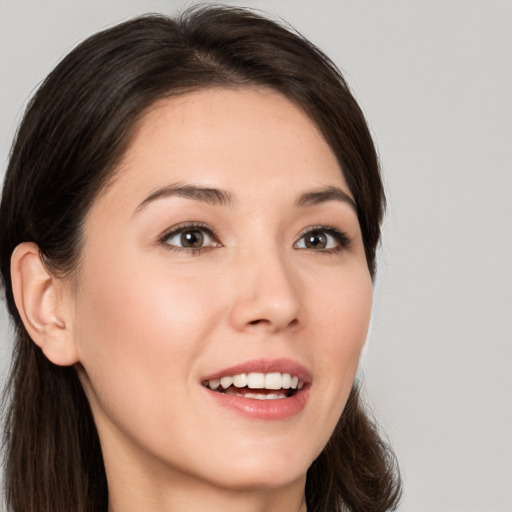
255, 380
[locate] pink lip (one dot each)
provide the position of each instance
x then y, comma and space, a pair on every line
278, 409
265, 366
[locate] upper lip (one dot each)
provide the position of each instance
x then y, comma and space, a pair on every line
264, 366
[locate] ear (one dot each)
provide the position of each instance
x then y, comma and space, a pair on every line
44, 305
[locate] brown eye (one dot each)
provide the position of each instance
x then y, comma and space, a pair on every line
192, 239
315, 240
326, 239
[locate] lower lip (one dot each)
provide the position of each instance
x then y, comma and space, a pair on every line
277, 409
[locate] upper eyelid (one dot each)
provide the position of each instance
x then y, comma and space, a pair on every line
163, 239
328, 229
174, 230
184, 227
341, 236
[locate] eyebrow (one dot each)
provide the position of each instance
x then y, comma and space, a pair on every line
325, 194
212, 196
218, 197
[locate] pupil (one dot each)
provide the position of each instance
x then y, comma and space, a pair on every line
316, 241
192, 239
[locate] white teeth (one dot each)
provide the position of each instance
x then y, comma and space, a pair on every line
259, 396
273, 381
256, 396
257, 380
225, 382
214, 383
240, 380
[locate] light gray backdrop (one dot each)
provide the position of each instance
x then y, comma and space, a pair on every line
434, 78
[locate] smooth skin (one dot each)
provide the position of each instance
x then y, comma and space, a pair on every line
157, 304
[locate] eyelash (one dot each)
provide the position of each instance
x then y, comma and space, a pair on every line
343, 241
192, 226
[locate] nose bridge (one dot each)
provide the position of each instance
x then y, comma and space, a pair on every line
266, 288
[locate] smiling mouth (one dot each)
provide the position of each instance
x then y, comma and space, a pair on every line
258, 386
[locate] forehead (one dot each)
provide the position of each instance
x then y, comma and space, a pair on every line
241, 140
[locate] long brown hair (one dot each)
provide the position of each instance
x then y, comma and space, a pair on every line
73, 133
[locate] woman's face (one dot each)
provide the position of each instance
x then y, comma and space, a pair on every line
226, 248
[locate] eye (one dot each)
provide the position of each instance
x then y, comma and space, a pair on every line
190, 237
323, 239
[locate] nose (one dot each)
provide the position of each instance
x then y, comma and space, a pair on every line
266, 294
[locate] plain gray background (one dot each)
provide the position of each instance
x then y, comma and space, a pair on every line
435, 81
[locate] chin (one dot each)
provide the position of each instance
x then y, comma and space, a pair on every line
266, 469
263, 478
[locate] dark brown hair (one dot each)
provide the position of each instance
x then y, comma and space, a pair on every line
74, 131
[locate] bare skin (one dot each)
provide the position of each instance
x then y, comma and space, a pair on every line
227, 238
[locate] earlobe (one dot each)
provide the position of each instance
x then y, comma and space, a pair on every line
43, 306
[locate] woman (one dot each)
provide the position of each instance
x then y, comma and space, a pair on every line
189, 224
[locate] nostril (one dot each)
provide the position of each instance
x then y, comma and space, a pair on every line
263, 321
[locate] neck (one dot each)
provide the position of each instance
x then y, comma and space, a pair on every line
192, 496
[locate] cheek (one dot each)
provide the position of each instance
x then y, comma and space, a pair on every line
139, 335
343, 308
344, 312
145, 306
